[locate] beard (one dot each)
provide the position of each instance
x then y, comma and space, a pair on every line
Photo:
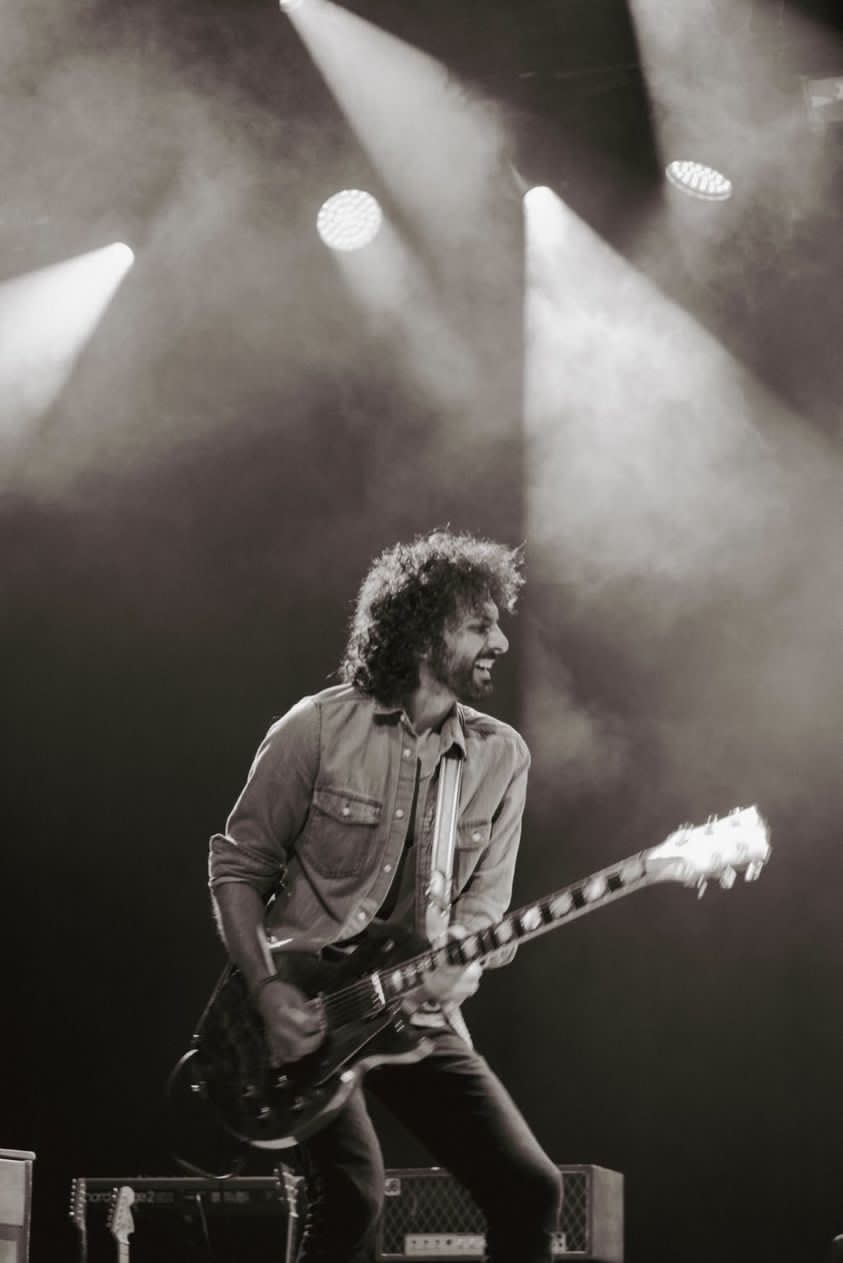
460, 675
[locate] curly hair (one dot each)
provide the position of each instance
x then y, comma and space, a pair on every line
411, 594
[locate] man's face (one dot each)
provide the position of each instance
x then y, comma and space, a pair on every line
471, 643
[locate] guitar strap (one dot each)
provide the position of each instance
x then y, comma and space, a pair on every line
438, 911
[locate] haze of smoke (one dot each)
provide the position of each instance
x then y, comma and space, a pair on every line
232, 298
578, 747
725, 82
692, 516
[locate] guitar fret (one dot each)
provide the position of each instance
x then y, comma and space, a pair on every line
502, 933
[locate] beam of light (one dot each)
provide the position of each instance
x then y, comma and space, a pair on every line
401, 308
638, 412
46, 320
658, 472
349, 220
436, 148
440, 155
714, 72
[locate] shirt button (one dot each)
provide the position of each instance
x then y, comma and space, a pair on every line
346, 811
477, 836
387, 868
399, 815
406, 752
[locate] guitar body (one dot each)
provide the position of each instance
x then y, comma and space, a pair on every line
274, 1108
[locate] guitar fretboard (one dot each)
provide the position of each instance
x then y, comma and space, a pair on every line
524, 923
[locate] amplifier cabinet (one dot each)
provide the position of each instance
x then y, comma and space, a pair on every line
15, 1203
187, 1219
428, 1215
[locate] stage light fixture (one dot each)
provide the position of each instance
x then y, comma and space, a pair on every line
122, 253
697, 180
349, 220
539, 193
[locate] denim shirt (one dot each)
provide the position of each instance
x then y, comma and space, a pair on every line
320, 825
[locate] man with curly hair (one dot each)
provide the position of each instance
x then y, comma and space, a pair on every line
334, 830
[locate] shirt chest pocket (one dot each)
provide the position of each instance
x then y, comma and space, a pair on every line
340, 832
472, 840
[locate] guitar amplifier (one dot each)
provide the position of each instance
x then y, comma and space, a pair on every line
15, 1203
188, 1219
428, 1215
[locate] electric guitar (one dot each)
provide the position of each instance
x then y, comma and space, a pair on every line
121, 1223
366, 999
78, 1205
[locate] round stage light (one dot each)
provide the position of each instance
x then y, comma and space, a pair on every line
120, 251
539, 193
698, 180
349, 220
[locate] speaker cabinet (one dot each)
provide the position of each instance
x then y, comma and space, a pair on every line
428, 1215
15, 1204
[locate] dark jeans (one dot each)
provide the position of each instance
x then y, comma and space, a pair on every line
454, 1104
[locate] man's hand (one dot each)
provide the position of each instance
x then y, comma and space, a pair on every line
293, 1027
449, 985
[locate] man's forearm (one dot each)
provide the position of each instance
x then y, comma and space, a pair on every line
240, 912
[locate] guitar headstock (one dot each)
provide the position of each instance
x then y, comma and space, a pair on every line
78, 1203
717, 850
121, 1223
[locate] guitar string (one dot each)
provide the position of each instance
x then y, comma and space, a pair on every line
409, 971
345, 999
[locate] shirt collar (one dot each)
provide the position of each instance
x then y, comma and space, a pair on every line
453, 728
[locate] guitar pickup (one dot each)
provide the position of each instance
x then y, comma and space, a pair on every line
378, 995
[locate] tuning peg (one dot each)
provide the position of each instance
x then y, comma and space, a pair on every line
753, 870
727, 877
702, 886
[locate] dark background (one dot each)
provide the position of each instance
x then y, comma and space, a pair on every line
184, 528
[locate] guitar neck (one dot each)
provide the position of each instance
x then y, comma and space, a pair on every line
528, 922
690, 856
122, 1252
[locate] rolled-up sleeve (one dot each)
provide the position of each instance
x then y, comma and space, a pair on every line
487, 895
273, 806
